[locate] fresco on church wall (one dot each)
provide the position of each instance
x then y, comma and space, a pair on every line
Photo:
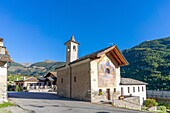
106, 73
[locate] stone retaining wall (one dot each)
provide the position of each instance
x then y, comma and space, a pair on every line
158, 94
130, 103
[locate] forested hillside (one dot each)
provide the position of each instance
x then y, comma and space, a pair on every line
149, 62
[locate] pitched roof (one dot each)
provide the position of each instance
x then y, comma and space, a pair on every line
93, 55
1, 39
5, 58
54, 73
41, 78
112, 52
51, 73
72, 39
129, 81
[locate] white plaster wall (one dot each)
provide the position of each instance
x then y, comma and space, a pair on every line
117, 78
3, 70
94, 76
3, 83
26, 83
73, 54
141, 94
2, 50
1, 43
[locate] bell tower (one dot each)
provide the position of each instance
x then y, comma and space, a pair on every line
71, 50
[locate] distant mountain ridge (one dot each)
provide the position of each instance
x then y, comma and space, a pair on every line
149, 62
27, 64
35, 69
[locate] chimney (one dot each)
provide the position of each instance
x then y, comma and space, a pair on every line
2, 48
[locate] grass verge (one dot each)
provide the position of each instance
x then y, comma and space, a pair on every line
6, 104
4, 111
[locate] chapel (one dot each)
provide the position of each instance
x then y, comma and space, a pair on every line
96, 77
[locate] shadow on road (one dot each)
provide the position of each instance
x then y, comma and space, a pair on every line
70, 105
37, 95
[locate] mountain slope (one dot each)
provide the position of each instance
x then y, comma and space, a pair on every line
39, 68
149, 62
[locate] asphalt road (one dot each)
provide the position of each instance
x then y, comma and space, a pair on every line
52, 103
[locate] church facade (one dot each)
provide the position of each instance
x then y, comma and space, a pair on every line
96, 77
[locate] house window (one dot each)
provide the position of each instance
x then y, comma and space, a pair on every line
138, 89
128, 89
74, 48
100, 92
75, 79
133, 89
114, 90
62, 80
142, 88
108, 70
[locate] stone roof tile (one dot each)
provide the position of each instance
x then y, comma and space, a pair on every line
129, 81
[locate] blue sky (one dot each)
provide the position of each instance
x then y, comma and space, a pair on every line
35, 30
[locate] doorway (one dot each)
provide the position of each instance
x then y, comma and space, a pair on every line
108, 94
121, 91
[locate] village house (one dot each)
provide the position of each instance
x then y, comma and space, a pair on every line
96, 77
29, 83
33, 84
51, 79
5, 60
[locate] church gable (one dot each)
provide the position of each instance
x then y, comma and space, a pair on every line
115, 56
106, 73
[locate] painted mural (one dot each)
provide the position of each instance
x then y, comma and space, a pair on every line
106, 73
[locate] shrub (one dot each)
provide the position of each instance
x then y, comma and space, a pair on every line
24, 88
150, 103
6, 104
100, 93
17, 89
162, 109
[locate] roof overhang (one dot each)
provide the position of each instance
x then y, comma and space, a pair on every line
5, 58
116, 57
51, 74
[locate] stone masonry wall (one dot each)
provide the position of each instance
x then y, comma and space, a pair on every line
81, 81
130, 103
133, 100
158, 94
3, 84
63, 88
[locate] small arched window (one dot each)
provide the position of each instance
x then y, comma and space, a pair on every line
68, 48
108, 70
74, 48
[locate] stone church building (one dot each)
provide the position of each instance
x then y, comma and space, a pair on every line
96, 77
